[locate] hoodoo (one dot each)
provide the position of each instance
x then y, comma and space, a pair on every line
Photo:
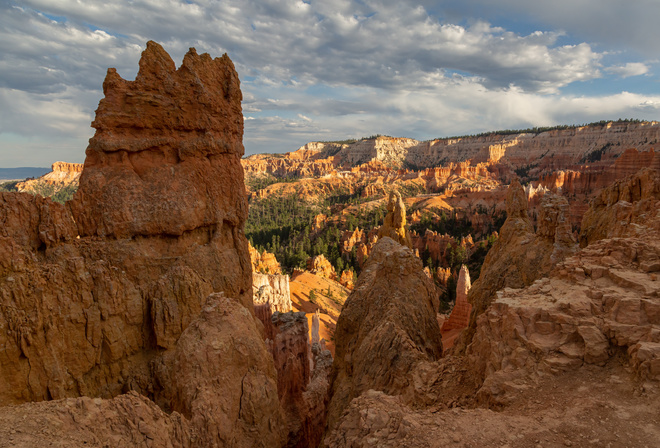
108, 294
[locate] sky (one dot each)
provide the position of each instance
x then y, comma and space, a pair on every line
331, 70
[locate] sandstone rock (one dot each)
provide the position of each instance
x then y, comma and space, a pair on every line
223, 379
126, 420
387, 326
612, 214
103, 296
264, 262
319, 265
346, 278
520, 256
592, 302
395, 221
460, 314
271, 294
594, 148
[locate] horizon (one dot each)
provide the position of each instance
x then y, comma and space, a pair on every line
316, 72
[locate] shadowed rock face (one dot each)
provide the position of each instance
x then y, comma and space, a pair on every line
387, 326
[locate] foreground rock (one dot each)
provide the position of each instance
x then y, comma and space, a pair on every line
386, 329
222, 379
108, 293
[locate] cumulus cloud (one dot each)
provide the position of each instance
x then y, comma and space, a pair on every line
317, 70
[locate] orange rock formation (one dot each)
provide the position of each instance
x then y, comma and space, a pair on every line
319, 265
109, 293
264, 262
394, 225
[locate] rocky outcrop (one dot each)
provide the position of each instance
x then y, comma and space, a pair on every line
346, 279
264, 262
387, 327
520, 256
320, 266
159, 212
394, 225
271, 294
63, 175
222, 379
108, 294
600, 301
127, 420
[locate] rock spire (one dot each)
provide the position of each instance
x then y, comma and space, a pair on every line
394, 225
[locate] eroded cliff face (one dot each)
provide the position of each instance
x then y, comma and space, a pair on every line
108, 293
597, 145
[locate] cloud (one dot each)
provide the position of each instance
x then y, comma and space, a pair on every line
629, 69
384, 46
614, 24
317, 70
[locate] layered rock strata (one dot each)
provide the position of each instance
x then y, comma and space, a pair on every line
271, 294
597, 146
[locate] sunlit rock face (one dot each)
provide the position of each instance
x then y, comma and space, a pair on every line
145, 273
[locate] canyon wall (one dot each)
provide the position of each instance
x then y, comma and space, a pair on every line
594, 145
